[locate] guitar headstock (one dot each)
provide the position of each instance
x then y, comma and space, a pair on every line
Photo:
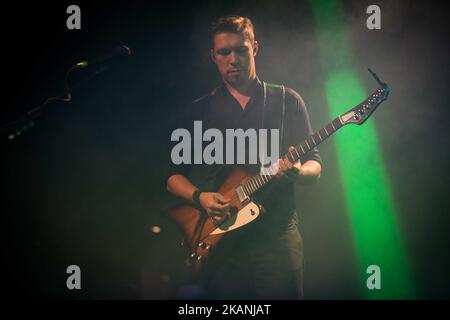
359, 114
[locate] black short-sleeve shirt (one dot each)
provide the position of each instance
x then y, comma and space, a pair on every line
222, 111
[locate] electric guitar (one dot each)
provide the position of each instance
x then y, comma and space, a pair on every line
202, 232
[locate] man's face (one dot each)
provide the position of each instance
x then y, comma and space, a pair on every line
234, 57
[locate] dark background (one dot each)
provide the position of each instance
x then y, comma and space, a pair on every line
86, 184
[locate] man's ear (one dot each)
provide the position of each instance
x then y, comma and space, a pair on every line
255, 48
211, 53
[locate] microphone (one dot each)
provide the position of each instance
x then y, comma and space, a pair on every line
118, 52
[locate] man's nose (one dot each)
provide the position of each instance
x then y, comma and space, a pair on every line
234, 58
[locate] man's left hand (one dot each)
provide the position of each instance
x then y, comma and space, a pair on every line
291, 171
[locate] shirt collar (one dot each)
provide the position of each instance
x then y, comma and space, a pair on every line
257, 92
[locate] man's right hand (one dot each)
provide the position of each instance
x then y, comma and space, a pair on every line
214, 203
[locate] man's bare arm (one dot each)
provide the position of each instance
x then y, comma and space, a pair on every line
180, 186
308, 172
212, 202
303, 174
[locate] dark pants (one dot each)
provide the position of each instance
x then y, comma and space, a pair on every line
265, 263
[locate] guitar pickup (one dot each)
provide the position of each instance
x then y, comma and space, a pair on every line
242, 196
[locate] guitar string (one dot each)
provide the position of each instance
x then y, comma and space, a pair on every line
236, 196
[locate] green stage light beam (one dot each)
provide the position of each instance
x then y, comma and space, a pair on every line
369, 202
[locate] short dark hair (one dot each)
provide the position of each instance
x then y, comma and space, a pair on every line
233, 24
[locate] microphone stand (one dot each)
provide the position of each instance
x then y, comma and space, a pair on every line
25, 122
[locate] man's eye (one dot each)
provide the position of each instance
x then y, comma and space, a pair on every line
241, 50
224, 52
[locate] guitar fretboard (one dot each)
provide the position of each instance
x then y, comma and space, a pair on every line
258, 181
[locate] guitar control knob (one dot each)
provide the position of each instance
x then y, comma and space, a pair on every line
193, 255
199, 258
202, 245
208, 247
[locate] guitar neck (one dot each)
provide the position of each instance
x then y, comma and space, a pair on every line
357, 115
258, 181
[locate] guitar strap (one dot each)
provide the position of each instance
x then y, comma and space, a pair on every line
274, 109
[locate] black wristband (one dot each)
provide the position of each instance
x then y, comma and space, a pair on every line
196, 196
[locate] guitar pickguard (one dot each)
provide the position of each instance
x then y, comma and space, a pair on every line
244, 216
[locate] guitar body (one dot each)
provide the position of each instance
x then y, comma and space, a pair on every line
201, 233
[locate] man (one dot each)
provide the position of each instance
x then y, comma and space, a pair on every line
266, 261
